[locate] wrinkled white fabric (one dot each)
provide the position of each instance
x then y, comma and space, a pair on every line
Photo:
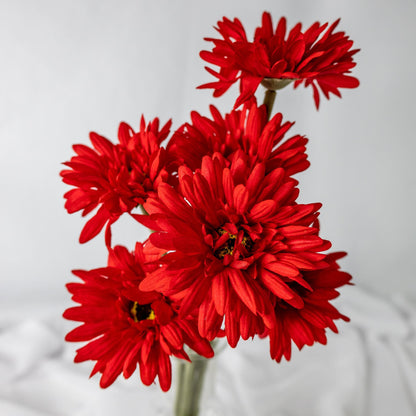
368, 369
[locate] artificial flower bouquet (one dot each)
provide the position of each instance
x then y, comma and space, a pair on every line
231, 253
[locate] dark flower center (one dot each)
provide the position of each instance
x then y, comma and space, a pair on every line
141, 312
230, 245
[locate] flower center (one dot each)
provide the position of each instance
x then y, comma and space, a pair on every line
231, 244
141, 312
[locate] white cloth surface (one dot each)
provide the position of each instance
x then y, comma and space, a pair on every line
369, 369
69, 67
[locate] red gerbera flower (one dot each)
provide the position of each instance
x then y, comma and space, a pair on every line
247, 130
236, 238
318, 57
115, 177
308, 325
126, 326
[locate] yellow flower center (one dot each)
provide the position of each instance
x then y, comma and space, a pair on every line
142, 312
229, 246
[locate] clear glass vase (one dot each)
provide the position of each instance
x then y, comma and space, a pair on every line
194, 384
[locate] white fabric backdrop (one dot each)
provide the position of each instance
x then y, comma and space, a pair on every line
69, 67
367, 370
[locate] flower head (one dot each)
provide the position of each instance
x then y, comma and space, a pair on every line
115, 177
125, 326
236, 238
318, 56
246, 130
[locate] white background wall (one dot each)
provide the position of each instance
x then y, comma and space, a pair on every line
68, 67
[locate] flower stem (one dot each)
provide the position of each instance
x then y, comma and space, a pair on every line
269, 98
189, 386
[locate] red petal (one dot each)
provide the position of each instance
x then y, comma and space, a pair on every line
172, 336
87, 331
165, 371
262, 211
94, 225
340, 81
231, 330
103, 145
158, 280
295, 52
220, 292
281, 268
248, 86
195, 296
77, 199
148, 371
240, 198
280, 289
114, 367
243, 289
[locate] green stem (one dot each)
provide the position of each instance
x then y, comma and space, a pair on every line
189, 386
269, 98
